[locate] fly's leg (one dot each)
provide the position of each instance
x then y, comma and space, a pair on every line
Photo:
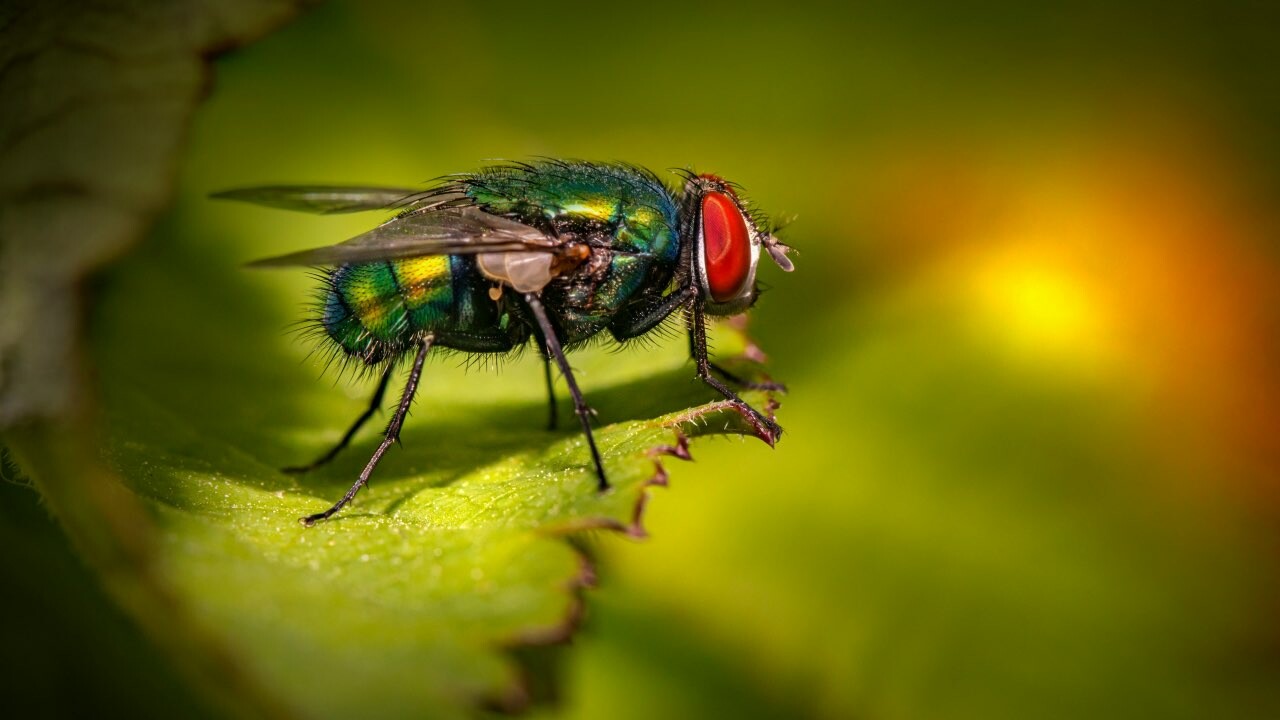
768, 430
579, 404
733, 377
374, 405
553, 417
640, 318
391, 435
744, 383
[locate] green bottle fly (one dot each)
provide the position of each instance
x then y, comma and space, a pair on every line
555, 251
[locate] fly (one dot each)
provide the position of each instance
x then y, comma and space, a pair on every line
555, 251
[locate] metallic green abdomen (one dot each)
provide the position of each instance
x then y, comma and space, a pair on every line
375, 310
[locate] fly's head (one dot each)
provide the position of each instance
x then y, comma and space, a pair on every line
725, 240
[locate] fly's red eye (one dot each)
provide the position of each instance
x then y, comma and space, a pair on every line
726, 246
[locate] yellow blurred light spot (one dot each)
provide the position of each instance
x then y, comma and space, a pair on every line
1041, 308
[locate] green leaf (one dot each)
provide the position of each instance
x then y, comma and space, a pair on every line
403, 603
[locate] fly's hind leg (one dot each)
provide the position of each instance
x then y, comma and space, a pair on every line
374, 405
391, 435
579, 403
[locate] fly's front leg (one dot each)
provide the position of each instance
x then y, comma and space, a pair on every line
767, 429
748, 384
640, 318
734, 377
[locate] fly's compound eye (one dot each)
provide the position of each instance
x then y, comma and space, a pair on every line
728, 253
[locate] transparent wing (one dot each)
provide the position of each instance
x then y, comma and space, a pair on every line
327, 200
431, 230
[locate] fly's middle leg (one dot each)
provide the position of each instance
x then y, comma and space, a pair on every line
579, 403
553, 413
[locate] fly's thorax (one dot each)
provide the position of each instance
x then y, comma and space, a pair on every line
619, 227
584, 301
620, 206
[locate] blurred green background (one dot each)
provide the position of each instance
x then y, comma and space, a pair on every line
1031, 450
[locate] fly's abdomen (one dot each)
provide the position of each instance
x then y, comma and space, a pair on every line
426, 289
375, 310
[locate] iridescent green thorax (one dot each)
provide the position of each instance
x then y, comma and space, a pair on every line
630, 204
629, 217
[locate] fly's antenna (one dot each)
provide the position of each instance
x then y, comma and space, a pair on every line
777, 249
